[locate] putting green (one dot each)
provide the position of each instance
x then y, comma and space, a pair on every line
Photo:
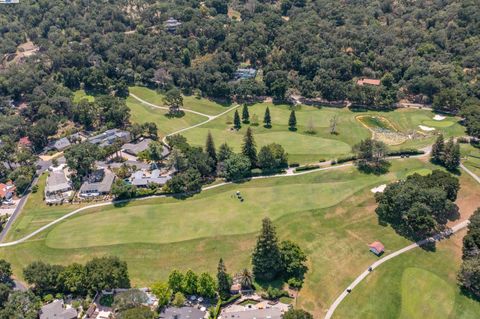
444, 123
425, 295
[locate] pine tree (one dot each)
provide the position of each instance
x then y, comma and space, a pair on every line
292, 121
236, 120
267, 121
451, 158
224, 152
266, 257
223, 280
438, 149
245, 114
249, 148
210, 148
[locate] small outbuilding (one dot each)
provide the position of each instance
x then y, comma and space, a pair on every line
377, 248
365, 81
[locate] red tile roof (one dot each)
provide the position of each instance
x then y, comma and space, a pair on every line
6, 188
364, 81
25, 141
378, 246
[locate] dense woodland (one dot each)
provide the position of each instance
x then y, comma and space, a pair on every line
422, 51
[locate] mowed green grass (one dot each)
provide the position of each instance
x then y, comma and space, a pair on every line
301, 146
330, 214
189, 102
141, 113
471, 158
418, 284
82, 95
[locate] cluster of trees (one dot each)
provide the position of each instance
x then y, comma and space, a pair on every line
196, 165
419, 206
272, 260
446, 154
98, 274
469, 274
18, 163
15, 304
267, 119
370, 155
130, 304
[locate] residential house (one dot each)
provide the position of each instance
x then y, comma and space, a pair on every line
243, 74
109, 137
140, 179
7, 191
136, 148
365, 81
97, 184
183, 312
266, 313
61, 144
25, 142
58, 186
172, 24
57, 310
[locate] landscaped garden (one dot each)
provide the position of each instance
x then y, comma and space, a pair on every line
329, 214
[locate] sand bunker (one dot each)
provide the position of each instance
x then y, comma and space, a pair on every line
439, 117
379, 189
426, 128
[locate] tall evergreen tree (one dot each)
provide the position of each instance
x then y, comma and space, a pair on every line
224, 152
210, 148
236, 120
267, 120
249, 148
223, 280
266, 257
245, 114
451, 158
292, 121
438, 149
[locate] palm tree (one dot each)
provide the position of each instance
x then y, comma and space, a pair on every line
246, 279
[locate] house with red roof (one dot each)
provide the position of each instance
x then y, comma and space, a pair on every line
7, 190
25, 142
377, 248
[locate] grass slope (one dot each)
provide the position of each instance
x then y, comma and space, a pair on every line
330, 214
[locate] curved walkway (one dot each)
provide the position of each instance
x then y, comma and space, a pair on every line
75, 212
376, 264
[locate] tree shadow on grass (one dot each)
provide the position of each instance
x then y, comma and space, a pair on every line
378, 169
178, 114
465, 292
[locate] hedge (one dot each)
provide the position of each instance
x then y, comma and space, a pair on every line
306, 168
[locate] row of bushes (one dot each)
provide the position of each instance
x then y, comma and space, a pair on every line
231, 300
307, 168
408, 151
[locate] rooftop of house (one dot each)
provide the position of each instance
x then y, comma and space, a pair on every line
99, 181
61, 143
25, 141
247, 73
267, 313
136, 148
57, 181
363, 81
182, 313
6, 189
56, 310
140, 179
107, 137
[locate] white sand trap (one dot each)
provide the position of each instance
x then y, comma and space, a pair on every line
379, 189
439, 117
426, 128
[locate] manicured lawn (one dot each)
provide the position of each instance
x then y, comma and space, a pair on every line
189, 102
471, 158
36, 213
304, 147
418, 284
81, 95
330, 214
141, 113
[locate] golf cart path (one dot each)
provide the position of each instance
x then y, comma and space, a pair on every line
210, 117
437, 237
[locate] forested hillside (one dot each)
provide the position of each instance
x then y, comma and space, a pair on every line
422, 51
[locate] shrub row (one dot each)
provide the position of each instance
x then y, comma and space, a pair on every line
408, 151
306, 168
230, 300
